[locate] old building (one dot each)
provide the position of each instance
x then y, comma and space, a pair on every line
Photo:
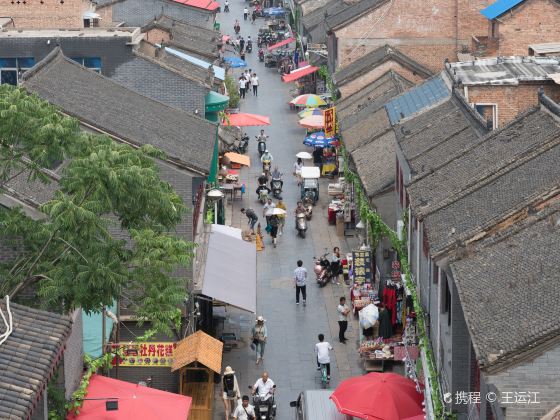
502, 88
32, 354
49, 13
463, 187
513, 25
426, 33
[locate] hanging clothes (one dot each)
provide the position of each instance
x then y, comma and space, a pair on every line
390, 301
385, 329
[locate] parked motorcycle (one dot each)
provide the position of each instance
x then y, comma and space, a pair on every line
323, 270
301, 224
261, 55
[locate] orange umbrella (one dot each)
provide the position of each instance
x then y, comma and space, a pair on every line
237, 158
245, 120
313, 121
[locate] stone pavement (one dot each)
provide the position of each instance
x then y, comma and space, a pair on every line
289, 356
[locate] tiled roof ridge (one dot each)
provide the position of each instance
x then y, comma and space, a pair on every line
357, 13
548, 103
481, 125
390, 52
532, 201
170, 68
488, 175
54, 55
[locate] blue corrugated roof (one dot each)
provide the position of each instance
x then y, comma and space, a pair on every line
499, 8
219, 72
417, 98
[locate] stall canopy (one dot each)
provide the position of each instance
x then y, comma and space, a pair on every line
214, 102
134, 402
280, 44
238, 158
299, 73
198, 347
230, 274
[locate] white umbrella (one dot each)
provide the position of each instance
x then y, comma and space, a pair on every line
304, 155
275, 212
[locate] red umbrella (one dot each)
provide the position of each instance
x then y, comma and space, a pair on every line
382, 396
245, 120
135, 402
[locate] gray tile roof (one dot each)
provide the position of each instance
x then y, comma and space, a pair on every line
476, 160
490, 201
314, 22
198, 41
28, 358
93, 99
416, 99
353, 11
375, 163
433, 137
368, 62
509, 288
362, 116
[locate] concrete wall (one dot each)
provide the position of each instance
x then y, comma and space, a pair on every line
46, 14
532, 22
74, 355
140, 12
511, 100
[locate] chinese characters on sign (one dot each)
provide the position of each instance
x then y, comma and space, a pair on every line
361, 266
145, 354
330, 128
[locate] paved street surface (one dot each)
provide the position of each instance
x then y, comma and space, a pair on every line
289, 356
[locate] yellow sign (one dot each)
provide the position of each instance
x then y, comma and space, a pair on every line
330, 126
145, 354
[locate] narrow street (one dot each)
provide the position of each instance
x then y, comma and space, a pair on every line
289, 356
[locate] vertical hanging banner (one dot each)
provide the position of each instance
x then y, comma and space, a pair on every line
330, 126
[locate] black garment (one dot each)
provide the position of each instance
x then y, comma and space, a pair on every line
318, 158
303, 293
229, 382
244, 16
255, 90
368, 332
327, 365
343, 325
385, 329
241, 44
263, 180
241, 92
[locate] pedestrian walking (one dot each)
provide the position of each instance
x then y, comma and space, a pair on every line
253, 16
245, 13
259, 335
226, 6
241, 87
274, 223
255, 84
252, 216
300, 278
336, 267
269, 205
281, 217
296, 58
343, 312
230, 390
244, 411
298, 164
241, 44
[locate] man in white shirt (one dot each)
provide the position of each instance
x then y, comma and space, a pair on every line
264, 387
255, 84
300, 277
343, 312
245, 13
323, 358
244, 409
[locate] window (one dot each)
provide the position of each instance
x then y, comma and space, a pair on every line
12, 68
93, 63
494, 29
490, 113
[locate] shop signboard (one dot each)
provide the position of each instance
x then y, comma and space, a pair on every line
143, 354
361, 263
330, 127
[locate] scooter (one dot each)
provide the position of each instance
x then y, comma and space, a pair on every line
261, 147
261, 55
301, 224
240, 146
308, 209
226, 8
266, 167
262, 193
265, 409
322, 270
276, 184
249, 47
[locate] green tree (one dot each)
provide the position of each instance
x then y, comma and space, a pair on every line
109, 225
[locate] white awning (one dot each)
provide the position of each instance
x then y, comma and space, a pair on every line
90, 15
230, 274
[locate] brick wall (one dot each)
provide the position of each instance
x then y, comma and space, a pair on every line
471, 21
511, 100
157, 36
106, 15
139, 12
361, 82
541, 374
45, 14
74, 355
533, 22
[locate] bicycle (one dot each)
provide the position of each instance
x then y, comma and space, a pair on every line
324, 377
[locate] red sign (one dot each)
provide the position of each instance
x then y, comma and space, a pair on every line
330, 126
145, 354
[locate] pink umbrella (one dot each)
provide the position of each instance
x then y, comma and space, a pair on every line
245, 120
313, 121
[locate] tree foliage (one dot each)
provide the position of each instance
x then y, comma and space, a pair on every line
109, 226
